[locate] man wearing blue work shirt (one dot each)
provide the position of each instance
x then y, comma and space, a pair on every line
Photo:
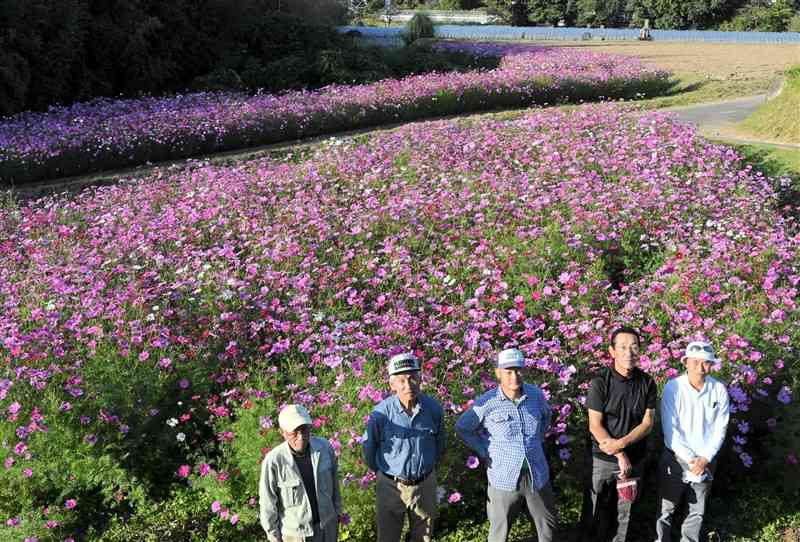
506, 427
405, 441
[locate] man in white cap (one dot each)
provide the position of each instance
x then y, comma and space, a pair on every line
299, 487
404, 443
506, 426
695, 410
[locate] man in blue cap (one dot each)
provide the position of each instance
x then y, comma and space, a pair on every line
506, 426
405, 441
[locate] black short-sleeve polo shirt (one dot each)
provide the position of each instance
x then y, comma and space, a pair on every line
623, 402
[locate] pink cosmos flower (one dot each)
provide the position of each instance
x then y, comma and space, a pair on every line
454, 497
69, 504
215, 506
184, 470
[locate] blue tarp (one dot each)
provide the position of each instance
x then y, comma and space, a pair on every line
391, 35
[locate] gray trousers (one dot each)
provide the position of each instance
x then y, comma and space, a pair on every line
501, 506
671, 489
604, 478
328, 534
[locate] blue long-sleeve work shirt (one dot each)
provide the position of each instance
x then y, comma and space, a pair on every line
508, 433
408, 447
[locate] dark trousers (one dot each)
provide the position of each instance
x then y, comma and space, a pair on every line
601, 504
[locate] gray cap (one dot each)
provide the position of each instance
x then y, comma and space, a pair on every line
510, 358
403, 363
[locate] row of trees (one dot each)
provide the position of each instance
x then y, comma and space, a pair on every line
61, 51
765, 15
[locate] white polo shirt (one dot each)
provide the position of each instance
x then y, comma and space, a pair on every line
694, 422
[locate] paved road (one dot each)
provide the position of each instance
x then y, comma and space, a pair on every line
720, 113
718, 120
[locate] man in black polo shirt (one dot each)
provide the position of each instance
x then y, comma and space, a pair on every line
621, 404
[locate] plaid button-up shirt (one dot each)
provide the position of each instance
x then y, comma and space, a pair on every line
508, 433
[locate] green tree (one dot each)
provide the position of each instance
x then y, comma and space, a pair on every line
774, 17
543, 12
611, 13
683, 14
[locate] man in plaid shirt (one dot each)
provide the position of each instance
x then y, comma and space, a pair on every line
506, 427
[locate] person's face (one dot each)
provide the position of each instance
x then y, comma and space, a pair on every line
625, 352
299, 438
697, 368
510, 380
405, 385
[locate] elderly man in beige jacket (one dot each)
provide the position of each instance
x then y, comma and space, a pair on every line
299, 487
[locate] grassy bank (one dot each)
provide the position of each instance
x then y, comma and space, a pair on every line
779, 119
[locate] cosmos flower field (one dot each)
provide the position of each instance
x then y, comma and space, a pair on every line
150, 331
106, 134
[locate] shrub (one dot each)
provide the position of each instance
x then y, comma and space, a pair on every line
15, 78
794, 24
219, 79
419, 26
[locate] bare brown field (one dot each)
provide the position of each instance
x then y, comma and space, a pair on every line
713, 59
707, 72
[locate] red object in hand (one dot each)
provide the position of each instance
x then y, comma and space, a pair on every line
628, 489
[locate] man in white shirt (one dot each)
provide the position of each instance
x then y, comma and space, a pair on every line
695, 410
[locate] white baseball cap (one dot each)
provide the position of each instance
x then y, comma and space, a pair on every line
701, 350
403, 363
293, 416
